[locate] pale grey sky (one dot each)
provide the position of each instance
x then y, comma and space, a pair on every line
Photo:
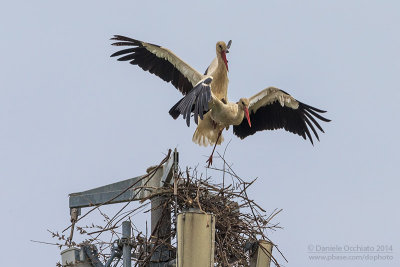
72, 118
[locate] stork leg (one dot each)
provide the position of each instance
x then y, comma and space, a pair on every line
212, 153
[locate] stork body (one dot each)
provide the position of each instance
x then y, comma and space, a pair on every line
226, 114
221, 115
218, 70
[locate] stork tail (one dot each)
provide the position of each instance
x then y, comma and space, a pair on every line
207, 132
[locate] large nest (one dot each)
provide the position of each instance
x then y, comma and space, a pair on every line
240, 221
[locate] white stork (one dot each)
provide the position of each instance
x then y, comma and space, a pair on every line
169, 67
270, 109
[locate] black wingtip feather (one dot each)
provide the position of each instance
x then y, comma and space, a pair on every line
307, 131
308, 115
317, 115
124, 38
313, 108
311, 127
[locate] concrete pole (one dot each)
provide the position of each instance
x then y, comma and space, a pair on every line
262, 257
196, 237
126, 250
160, 216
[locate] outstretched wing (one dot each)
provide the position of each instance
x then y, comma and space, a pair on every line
195, 101
159, 61
273, 109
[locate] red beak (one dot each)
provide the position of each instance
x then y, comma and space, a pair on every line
246, 112
223, 54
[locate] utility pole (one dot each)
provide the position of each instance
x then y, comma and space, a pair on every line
126, 236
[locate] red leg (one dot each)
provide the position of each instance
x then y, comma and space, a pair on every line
211, 156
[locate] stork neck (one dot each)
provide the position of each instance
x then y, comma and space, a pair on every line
239, 116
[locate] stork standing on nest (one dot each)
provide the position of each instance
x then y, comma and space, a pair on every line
169, 67
270, 109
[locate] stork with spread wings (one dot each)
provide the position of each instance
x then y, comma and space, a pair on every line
270, 109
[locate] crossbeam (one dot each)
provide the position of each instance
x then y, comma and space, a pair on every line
114, 193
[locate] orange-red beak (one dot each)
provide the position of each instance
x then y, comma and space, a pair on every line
223, 54
246, 112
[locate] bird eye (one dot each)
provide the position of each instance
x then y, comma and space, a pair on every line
220, 46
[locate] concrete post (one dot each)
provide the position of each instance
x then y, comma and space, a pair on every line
160, 219
262, 257
196, 236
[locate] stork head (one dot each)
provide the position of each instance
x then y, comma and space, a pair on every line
222, 49
244, 105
